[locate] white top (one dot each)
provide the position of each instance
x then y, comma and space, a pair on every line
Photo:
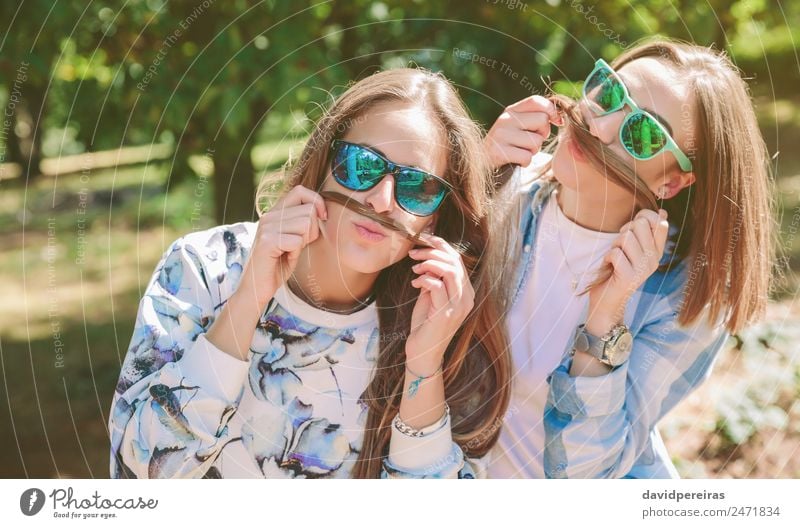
541, 327
294, 409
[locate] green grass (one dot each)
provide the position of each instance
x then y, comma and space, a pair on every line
88, 284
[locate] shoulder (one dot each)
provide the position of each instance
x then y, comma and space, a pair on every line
219, 240
527, 182
526, 177
217, 248
212, 256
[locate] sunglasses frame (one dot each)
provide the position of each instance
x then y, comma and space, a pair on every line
391, 168
683, 160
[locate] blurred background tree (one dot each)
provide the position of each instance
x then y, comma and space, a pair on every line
206, 77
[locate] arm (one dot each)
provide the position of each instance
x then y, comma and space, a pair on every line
177, 390
433, 455
179, 386
445, 300
598, 424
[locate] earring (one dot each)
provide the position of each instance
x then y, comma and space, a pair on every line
662, 192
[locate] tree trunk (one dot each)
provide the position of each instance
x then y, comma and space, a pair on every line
234, 180
12, 153
179, 170
30, 114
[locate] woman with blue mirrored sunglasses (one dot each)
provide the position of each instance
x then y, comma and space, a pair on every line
318, 342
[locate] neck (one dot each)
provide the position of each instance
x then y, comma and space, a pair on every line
593, 213
320, 280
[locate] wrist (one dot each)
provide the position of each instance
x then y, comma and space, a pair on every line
233, 328
246, 301
425, 364
414, 379
586, 365
600, 325
491, 154
602, 318
421, 430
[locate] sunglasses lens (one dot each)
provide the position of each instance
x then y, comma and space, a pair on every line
356, 168
419, 193
605, 91
642, 136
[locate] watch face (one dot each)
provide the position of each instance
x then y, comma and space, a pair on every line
619, 350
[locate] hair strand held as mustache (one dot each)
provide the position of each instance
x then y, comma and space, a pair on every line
356, 206
605, 161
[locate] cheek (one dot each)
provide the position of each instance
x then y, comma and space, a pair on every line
566, 168
338, 221
653, 172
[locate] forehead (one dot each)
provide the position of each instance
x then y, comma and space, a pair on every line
405, 133
657, 87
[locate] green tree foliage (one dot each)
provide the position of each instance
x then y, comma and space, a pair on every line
214, 77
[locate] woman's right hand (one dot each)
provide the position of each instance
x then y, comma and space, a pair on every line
283, 231
520, 130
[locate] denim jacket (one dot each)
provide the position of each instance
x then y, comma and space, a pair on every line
605, 426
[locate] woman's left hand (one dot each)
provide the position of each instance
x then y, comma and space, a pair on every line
635, 256
445, 300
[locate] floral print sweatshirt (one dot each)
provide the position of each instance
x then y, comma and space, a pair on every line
184, 408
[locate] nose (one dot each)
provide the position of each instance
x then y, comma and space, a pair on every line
381, 197
603, 127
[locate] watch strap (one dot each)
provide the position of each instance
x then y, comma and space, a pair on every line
598, 347
589, 343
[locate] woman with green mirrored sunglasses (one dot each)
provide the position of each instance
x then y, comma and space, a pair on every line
627, 275
640, 133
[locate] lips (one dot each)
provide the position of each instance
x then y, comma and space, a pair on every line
371, 230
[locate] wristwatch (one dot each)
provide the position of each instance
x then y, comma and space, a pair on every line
612, 349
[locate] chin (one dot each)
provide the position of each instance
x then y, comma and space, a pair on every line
368, 260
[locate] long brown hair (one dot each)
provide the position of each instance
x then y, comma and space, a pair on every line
477, 364
724, 220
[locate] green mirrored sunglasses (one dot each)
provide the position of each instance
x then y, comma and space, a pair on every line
641, 134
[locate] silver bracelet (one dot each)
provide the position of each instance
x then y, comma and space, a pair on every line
407, 430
